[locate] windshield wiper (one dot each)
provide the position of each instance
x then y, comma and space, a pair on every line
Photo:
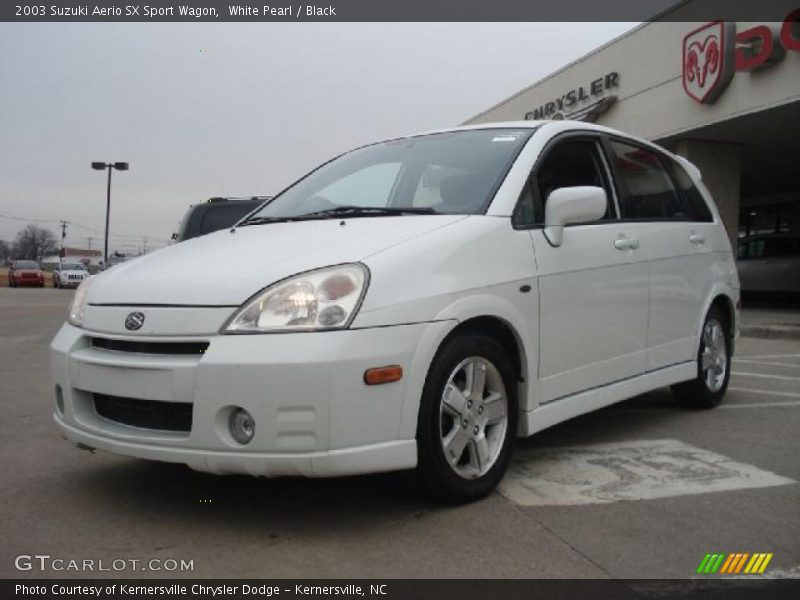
343, 211
366, 211
261, 220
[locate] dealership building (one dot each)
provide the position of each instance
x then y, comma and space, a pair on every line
724, 95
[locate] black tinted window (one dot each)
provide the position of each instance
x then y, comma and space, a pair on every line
222, 216
697, 205
568, 164
648, 192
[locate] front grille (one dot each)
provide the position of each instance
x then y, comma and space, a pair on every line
148, 414
142, 347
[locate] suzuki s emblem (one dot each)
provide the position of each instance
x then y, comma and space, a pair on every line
134, 321
708, 61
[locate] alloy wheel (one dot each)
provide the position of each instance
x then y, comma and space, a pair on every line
714, 358
473, 416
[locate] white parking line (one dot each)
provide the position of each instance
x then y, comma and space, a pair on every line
765, 392
636, 470
765, 376
770, 356
31, 304
767, 363
761, 405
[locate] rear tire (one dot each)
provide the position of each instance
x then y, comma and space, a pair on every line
467, 424
713, 364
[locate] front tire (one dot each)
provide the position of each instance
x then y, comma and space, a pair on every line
467, 421
713, 364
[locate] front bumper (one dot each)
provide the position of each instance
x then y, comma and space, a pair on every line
28, 282
70, 283
314, 415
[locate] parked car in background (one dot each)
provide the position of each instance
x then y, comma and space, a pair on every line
69, 274
215, 214
25, 273
419, 302
769, 263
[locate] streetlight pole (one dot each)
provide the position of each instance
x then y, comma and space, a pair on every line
99, 166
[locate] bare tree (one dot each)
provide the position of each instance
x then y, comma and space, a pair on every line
34, 243
5, 251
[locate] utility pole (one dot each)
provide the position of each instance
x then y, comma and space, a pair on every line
63, 237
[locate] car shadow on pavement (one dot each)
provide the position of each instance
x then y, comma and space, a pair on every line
271, 506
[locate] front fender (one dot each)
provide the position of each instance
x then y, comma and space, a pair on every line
513, 312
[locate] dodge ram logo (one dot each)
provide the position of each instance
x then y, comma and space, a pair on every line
708, 60
134, 321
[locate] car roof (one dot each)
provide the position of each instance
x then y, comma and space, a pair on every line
555, 127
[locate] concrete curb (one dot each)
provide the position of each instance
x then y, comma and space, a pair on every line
771, 332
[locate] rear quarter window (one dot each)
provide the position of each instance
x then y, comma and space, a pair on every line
698, 209
648, 191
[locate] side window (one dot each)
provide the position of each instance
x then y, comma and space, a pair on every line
694, 199
567, 164
648, 190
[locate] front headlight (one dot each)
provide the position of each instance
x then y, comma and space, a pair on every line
78, 306
317, 300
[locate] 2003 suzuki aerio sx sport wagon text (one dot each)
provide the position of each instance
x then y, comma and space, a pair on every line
419, 302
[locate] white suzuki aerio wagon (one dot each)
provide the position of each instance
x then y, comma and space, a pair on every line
419, 302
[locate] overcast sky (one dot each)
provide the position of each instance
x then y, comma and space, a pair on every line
201, 110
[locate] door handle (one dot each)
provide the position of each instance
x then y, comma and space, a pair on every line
626, 243
697, 239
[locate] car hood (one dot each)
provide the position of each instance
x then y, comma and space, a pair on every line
72, 272
28, 271
224, 268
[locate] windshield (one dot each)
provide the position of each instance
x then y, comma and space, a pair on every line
72, 267
448, 173
26, 264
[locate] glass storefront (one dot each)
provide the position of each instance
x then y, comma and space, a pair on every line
772, 218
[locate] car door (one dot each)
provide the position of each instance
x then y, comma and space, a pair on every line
661, 204
593, 287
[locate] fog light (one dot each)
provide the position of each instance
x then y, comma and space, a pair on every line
59, 400
242, 425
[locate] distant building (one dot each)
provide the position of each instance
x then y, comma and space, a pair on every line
724, 95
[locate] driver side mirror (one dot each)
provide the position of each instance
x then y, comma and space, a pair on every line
568, 205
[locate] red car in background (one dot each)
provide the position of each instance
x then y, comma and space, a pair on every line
25, 272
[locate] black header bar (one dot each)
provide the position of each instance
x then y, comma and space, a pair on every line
395, 10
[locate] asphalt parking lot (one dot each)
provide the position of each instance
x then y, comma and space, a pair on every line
643, 489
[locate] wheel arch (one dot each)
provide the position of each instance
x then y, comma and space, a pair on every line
727, 303
498, 318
